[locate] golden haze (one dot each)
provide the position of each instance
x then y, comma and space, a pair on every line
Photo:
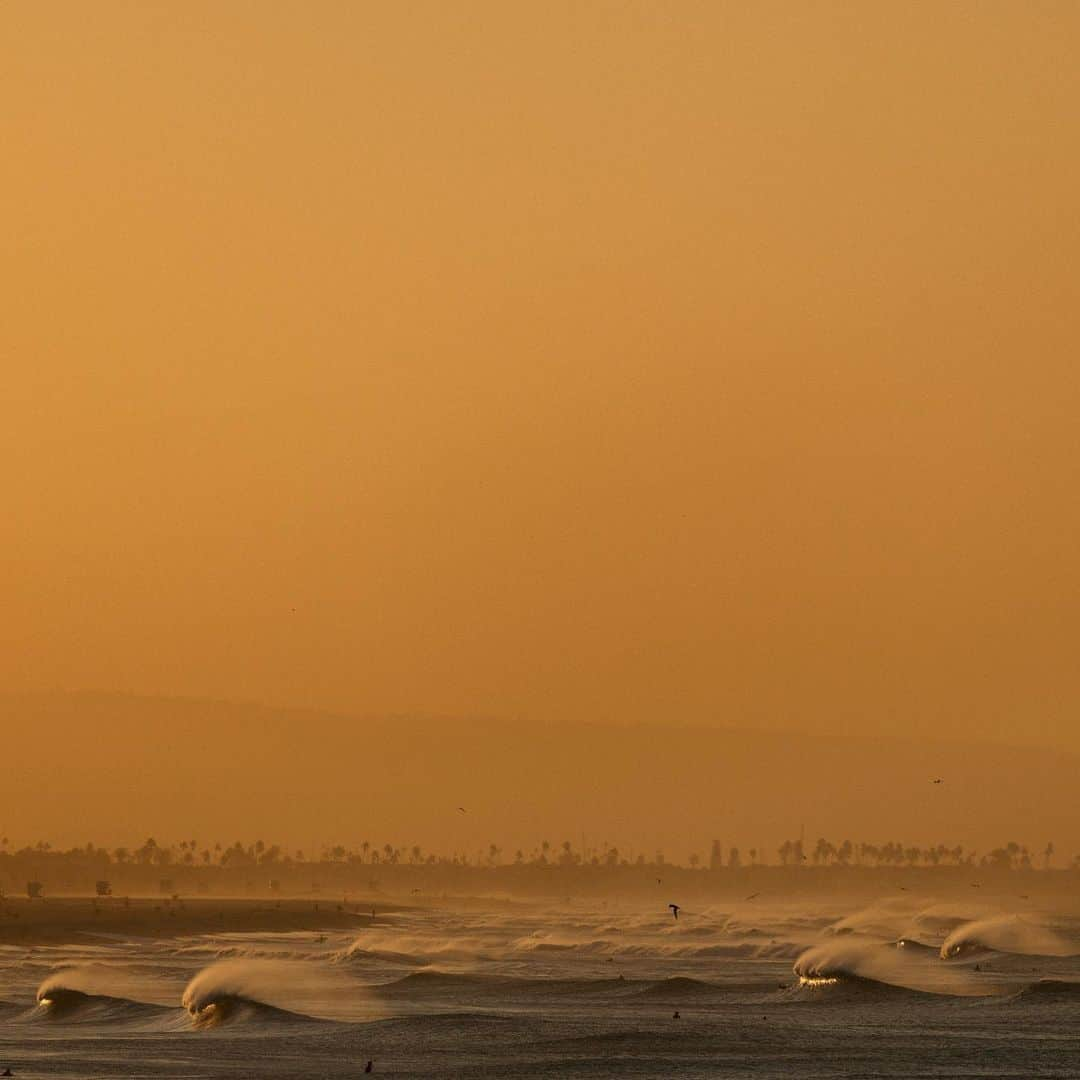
623, 362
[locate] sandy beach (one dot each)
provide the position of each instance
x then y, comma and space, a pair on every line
66, 919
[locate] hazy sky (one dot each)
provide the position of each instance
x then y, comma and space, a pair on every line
625, 361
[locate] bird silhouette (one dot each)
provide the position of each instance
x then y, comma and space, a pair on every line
752, 896
937, 781
675, 909
461, 810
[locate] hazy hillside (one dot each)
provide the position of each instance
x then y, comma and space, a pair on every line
131, 767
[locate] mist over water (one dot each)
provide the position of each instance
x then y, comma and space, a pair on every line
506, 989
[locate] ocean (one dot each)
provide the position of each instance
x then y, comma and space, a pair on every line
572, 990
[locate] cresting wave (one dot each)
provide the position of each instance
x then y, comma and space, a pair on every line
226, 1008
1004, 933
882, 967
56, 1002
238, 990
274, 991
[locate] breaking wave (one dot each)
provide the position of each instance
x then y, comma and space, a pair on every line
59, 1002
883, 968
1004, 933
235, 991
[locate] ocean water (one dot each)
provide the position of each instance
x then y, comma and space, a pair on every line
566, 991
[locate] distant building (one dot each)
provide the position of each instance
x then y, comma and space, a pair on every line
716, 856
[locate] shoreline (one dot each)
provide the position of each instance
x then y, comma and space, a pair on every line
66, 919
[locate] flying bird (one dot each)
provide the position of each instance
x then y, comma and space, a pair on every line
937, 781
675, 909
752, 896
462, 810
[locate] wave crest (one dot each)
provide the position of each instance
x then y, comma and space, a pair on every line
1004, 933
245, 990
57, 1001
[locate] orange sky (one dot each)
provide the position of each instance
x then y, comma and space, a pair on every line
625, 361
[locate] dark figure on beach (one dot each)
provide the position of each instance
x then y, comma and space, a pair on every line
675, 909
676, 1016
369, 1067
7, 1072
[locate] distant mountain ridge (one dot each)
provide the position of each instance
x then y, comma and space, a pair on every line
112, 769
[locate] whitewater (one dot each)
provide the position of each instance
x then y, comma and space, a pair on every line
904, 987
